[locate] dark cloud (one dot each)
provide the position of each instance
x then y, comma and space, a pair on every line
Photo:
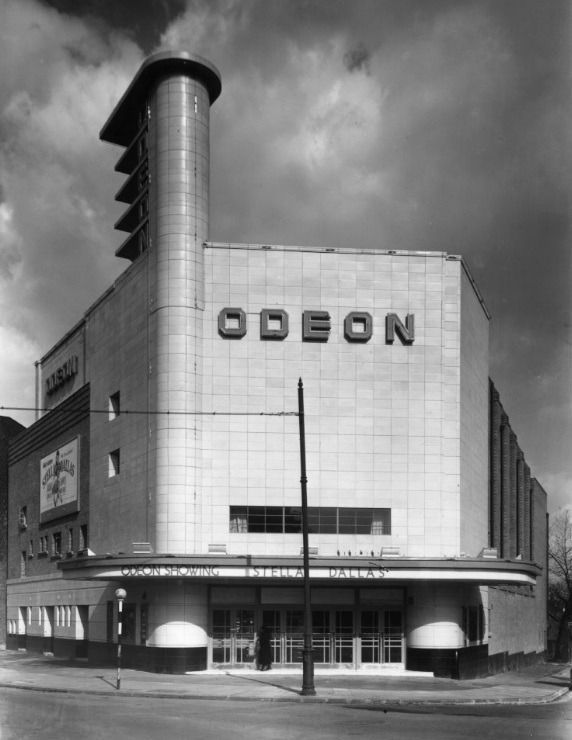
357, 59
142, 20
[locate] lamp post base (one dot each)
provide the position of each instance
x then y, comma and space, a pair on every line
307, 673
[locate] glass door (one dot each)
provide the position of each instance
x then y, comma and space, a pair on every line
392, 637
271, 620
321, 636
232, 635
221, 635
243, 635
370, 637
344, 637
293, 635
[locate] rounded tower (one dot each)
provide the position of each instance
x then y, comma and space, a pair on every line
162, 120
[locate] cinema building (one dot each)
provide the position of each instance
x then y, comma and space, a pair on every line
167, 460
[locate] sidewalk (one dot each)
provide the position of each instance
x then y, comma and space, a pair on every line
534, 685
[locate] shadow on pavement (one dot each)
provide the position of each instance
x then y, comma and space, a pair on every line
265, 683
555, 682
108, 682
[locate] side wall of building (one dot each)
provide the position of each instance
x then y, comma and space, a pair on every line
517, 614
9, 428
66, 617
49, 534
117, 356
511, 507
474, 431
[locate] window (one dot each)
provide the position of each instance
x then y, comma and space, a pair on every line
238, 519
474, 624
56, 544
31, 549
321, 520
114, 406
83, 539
70, 539
292, 519
23, 563
23, 518
114, 463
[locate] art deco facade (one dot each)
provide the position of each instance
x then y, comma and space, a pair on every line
168, 461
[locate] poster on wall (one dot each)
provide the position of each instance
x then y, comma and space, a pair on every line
59, 474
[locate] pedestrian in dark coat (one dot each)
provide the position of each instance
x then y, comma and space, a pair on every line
263, 650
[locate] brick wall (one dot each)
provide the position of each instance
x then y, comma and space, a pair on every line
9, 428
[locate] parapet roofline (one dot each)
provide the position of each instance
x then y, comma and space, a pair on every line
336, 250
360, 250
121, 126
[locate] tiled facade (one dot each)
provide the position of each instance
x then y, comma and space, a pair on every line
383, 420
190, 452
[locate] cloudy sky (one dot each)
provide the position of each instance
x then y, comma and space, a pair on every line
400, 124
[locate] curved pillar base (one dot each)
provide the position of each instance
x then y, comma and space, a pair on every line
177, 616
463, 663
166, 660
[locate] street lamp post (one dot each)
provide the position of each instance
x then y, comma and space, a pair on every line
307, 657
120, 595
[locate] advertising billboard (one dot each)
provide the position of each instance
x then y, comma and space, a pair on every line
59, 475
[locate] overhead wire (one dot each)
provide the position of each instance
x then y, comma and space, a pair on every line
147, 412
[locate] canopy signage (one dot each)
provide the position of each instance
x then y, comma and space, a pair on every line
343, 573
254, 571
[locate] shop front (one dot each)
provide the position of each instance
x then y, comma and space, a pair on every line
193, 613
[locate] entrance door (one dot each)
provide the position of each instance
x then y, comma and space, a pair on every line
370, 637
392, 637
271, 620
381, 636
344, 637
293, 635
233, 635
321, 635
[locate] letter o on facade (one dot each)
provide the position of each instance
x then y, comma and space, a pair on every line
273, 323
232, 323
358, 326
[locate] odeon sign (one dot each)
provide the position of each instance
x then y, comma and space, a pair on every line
316, 325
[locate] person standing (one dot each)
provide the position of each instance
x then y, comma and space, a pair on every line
263, 650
